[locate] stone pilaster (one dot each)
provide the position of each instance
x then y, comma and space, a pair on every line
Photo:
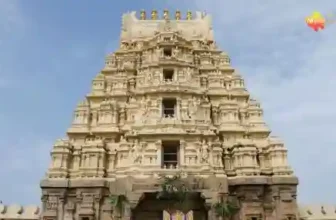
127, 212
210, 199
97, 201
182, 152
61, 206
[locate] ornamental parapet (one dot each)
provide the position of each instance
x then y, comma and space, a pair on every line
259, 128
154, 15
197, 26
166, 130
228, 126
172, 124
12, 212
317, 212
171, 86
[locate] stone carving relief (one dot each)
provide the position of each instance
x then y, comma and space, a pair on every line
69, 211
137, 152
208, 116
205, 152
193, 107
52, 203
176, 52
86, 204
189, 72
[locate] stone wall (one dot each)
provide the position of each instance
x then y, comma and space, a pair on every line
317, 212
30, 212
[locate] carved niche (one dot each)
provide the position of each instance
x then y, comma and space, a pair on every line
86, 205
50, 203
69, 211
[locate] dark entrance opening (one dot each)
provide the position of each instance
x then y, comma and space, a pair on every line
169, 106
170, 153
152, 208
168, 74
167, 52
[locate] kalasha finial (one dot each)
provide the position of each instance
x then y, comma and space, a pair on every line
189, 15
178, 15
166, 14
142, 15
154, 15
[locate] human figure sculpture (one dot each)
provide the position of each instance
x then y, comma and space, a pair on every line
192, 108
150, 75
175, 52
158, 52
154, 15
122, 139
188, 73
136, 152
189, 15
142, 15
178, 15
205, 152
205, 99
166, 14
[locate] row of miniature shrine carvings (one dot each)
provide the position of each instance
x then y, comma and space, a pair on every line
185, 109
206, 153
156, 78
140, 45
137, 153
149, 57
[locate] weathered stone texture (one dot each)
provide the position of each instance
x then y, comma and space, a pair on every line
114, 144
31, 212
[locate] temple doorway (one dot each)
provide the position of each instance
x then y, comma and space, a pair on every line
151, 208
177, 215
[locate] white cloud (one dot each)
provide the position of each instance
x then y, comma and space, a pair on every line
291, 71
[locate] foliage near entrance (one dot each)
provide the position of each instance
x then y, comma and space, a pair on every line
117, 201
173, 188
225, 208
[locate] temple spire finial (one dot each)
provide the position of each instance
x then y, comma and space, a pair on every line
142, 15
166, 14
189, 15
178, 15
154, 14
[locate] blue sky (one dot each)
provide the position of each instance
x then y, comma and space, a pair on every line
51, 50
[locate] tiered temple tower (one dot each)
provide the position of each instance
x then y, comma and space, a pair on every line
168, 102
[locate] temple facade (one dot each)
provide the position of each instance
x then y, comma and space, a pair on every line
169, 130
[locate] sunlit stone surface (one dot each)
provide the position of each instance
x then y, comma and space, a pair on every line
168, 102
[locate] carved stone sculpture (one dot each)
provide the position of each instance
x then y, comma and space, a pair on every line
205, 152
167, 102
136, 152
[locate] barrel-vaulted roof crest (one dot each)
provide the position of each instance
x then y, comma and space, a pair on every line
191, 27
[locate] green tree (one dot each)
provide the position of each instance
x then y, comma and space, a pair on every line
225, 208
118, 202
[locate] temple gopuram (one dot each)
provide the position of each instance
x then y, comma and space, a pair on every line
168, 131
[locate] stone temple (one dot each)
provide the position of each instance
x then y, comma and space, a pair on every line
168, 115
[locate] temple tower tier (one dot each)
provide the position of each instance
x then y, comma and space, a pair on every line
168, 130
